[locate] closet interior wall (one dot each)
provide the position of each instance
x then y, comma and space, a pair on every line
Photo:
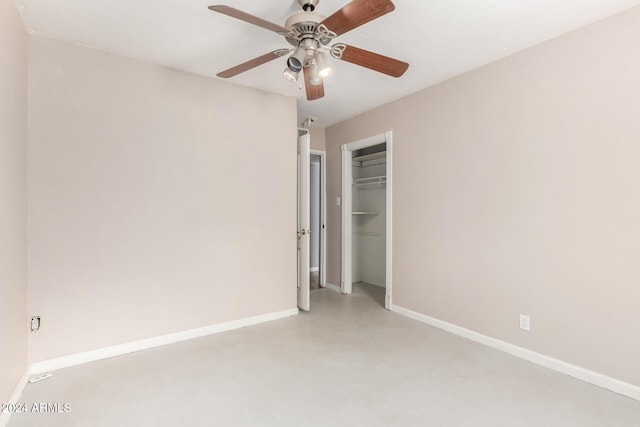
369, 217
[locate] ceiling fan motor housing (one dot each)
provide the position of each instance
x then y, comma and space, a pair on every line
303, 25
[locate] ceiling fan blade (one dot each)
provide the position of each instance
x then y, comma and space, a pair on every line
245, 66
243, 16
313, 91
357, 13
373, 61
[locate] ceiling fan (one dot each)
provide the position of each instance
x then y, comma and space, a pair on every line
310, 34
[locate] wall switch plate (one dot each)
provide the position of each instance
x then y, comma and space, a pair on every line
525, 322
337, 201
35, 323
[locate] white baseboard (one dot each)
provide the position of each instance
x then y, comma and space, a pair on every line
15, 397
566, 368
374, 284
131, 347
333, 287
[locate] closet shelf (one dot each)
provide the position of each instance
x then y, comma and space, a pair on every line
366, 213
366, 233
382, 179
372, 156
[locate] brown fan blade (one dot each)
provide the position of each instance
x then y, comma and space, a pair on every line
374, 61
357, 13
243, 16
245, 66
313, 91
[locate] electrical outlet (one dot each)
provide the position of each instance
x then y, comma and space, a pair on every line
35, 323
337, 201
525, 322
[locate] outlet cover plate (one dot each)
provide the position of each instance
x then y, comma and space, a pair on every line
525, 322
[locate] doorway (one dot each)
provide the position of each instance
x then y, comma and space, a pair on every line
317, 209
367, 214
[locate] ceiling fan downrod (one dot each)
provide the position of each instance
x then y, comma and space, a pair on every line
308, 5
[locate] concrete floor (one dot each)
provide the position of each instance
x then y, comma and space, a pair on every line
347, 362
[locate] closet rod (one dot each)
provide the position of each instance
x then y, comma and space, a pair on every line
370, 179
370, 183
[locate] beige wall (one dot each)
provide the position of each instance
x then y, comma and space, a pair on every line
13, 199
318, 138
516, 190
147, 213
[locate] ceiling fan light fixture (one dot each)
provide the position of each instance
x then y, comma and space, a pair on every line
296, 61
323, 65
290, 75
314, 78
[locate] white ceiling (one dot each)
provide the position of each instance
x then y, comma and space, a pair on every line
439, 38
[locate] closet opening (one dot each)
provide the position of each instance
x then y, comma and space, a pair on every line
366, 216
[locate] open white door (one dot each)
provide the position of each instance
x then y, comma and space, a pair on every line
304, 227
